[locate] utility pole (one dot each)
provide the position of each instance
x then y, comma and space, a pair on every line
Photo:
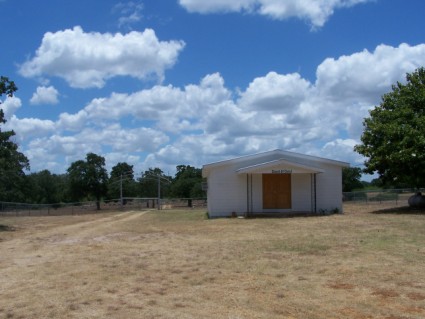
121, 201
159, 192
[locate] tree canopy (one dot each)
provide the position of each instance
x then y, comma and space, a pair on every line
148, 183
351, 179
7, 86
88, 178
47, 188
122, 180
12, 162
187, 182
393, 140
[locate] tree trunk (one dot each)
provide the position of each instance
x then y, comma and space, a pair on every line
97, 203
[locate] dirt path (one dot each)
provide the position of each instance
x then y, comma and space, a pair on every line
35, 239
46, 259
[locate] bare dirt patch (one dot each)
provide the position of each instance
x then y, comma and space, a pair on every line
386, 293
341, 285
177, 264
416, 296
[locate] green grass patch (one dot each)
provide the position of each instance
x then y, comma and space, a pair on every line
384, 197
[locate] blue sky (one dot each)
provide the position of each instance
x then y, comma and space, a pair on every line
168, 82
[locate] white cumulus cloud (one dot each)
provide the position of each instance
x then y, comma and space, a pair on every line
347, 87
275, 92
172, 108
88, 59
30, 127
72, 122
10, 106
316, 12
342, 148
287, 111
45, 95
366, 73
205, 122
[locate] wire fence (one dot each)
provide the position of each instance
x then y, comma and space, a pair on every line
396, 197
386, 197
90, 207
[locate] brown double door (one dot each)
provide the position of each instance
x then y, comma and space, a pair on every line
277, 191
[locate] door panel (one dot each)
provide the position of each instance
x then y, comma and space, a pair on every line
277, 191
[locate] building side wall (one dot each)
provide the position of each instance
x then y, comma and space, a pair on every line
301, 193
226, 192
329, 189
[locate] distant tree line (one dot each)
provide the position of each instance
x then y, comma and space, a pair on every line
85, 179
88, 180
351, 181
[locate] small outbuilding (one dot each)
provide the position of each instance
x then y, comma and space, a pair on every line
273, 182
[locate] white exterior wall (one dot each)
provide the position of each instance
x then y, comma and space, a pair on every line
226, 192
301, 193
329, 189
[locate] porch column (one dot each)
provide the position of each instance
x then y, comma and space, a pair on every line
313, 193
248, 194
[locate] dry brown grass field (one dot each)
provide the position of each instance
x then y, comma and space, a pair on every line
177, 264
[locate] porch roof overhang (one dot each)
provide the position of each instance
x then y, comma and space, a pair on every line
279, 166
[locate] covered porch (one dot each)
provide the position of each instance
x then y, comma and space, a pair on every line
280, 188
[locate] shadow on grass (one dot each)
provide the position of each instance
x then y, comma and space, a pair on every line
289, 215
405, 210
6, 228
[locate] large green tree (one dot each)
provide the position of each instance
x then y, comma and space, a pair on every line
351, 179
12, 162
88, 178
393, 140
187, 182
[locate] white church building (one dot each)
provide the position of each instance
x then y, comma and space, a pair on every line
273, 182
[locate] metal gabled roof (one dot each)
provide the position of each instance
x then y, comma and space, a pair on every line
294, 167
270, 156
